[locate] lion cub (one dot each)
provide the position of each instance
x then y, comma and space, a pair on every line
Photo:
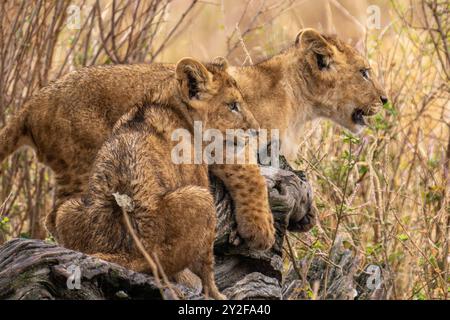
173, 210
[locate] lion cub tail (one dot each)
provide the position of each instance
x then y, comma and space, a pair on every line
13, 135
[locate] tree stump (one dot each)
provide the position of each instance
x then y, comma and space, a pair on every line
34, 269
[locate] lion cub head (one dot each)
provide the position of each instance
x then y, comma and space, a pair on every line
213, 95
335, 80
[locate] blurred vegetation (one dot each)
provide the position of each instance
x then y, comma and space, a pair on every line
386, 191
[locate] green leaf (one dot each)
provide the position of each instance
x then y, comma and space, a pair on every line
363, 169
350, 138
390, 109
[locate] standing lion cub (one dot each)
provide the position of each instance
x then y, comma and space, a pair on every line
173, 210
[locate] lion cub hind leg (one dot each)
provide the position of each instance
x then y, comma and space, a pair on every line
188, 279
70, 224
193, 216
138, 264
204, 268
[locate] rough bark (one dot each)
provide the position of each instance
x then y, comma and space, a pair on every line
34, 269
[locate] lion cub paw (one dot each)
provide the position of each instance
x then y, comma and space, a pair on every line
257, 231
220, 296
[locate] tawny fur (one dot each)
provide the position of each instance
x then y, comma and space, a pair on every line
67, 121
174, 214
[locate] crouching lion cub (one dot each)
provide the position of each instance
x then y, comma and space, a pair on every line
173, 210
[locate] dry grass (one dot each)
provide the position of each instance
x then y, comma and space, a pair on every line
386, 192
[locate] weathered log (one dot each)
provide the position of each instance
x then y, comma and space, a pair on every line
339, 278
33, 269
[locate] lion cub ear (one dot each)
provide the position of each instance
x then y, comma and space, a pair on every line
311, 40
221, 63
193, 77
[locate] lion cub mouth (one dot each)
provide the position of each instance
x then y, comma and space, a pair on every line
358, 117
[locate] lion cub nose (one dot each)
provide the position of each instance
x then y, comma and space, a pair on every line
384, 99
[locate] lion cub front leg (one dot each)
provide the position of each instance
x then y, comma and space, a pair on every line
249, 192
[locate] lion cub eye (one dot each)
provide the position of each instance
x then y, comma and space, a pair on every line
234, 106
365, 73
